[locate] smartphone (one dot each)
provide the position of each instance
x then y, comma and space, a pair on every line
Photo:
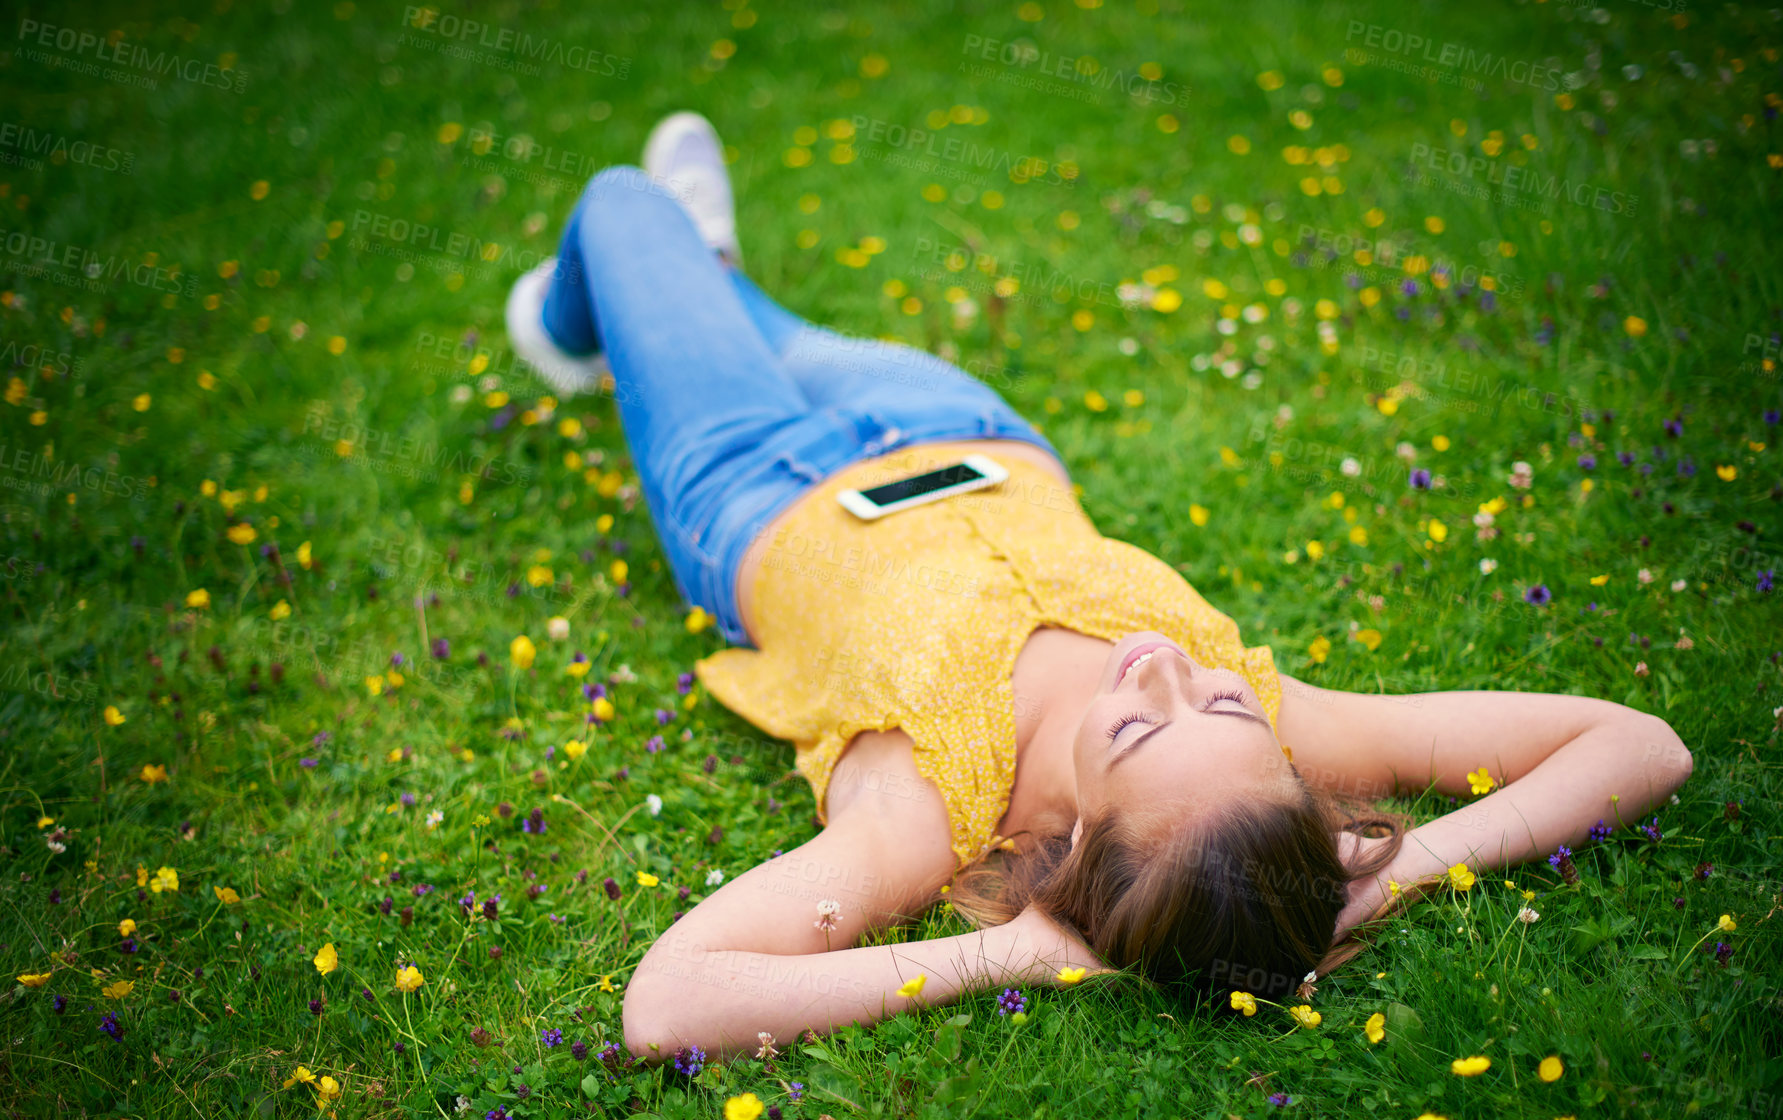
974, 472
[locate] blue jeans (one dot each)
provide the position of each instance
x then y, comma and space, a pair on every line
732, 405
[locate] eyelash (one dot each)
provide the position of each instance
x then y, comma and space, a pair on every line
1135, 717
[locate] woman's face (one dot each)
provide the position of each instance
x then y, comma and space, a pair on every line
1168, 733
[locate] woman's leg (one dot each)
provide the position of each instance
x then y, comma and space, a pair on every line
906, 388
715, 425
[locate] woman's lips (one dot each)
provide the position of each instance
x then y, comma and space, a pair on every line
1140, 652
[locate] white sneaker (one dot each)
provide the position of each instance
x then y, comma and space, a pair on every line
567, 373
684, 155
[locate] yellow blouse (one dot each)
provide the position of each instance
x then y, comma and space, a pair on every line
914, 621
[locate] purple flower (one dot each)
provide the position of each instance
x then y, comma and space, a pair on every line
1587, 462
664, 717
307, 763
592, 691
578, 1050
535, 823
654, 744
385, 905
397, 660
1764, 579
407, 799
1565, 853
1410, 287
315, 1007
684, 682
1652, 830
1280, 1100
111, 1026
366, 992
1626, 458
129, 945
469, 901
1011, 1001
551, 1036
319, 738
1770, 417
1420, 479
612, 888
1704, 870
1723, 953
1687, 467
1600, 831
442, 649
1674, 427
491, 907
796, 1092
422, 889
1539, 595
496, 1113
689, 1060
61, 1004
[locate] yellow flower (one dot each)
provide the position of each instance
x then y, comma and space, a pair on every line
1245, 1002
34, 979
227, 895
1551, 1068
1460, 877
1438, 531
113, 717
1306, 1016
280, 609
603, 708
1319, 649
303, 1074
697, 620
304, 557
522, 651
1471, 1067
1070, 975
45, 822
166, 879
118, 989
575, 749
198, 600
1726, 923
1375, 1028
327, 960
1197, 515
1095, 401
645, 879
393, 755
374, 684
142, 875
606, 982
408, 979
577, 669
1370, 638
746, 1107
913, 987
327, 1089
153, 774
1479, 780
1635, 326
242, 533
1727, 473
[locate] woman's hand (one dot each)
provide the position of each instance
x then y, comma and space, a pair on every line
1045, 947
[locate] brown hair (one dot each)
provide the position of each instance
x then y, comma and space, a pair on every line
1244, 900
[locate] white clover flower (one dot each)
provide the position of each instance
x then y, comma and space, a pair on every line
829, 911
1488, 566
1680, 584
1644, 576
558, 628
653, 803
1527, 916
434, 818
1349, 467
714, 877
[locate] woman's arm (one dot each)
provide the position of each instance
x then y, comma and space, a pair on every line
1559, 764
718, 999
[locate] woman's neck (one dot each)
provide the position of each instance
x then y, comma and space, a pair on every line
1054, 680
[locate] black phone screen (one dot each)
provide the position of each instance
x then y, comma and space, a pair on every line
920, 484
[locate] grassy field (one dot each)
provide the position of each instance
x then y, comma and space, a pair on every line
278, 502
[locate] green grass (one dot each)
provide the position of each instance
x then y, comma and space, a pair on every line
344, 121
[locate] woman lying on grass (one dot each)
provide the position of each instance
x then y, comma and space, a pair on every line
994, 703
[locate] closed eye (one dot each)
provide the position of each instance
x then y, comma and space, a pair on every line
1114, 731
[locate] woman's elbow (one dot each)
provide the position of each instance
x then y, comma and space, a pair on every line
1667, 758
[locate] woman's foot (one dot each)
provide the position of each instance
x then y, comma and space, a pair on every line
684, 155
566, 372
